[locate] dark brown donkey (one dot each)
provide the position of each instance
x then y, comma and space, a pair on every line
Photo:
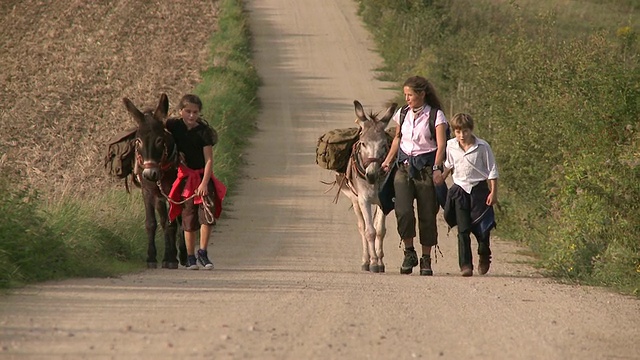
156, 168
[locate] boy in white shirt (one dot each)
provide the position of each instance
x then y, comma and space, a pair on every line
470, 200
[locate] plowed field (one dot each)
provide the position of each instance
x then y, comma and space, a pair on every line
65, 66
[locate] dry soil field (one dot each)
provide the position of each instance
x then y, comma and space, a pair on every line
65, 66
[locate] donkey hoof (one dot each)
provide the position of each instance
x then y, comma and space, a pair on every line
169, 265
381, 268
152, 265
365, 267
375, 268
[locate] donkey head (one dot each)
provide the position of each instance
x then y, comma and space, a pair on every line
373, 143
152, 147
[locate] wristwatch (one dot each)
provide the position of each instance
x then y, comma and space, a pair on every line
438, 167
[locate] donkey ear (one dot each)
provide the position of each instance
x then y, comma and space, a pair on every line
389, 113
133, 110
361, 117
163, 108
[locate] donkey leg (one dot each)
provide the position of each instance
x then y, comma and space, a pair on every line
182, 245
361, 230
369, 235
374, 259
170, 259
381, 231
150, 226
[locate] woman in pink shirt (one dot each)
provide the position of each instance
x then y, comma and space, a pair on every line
418, 150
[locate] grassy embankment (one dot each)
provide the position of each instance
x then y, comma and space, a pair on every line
555, 88
41, 239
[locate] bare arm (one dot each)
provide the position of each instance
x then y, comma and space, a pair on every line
393, 151
446, 173
492, 199
208, 170
441, 140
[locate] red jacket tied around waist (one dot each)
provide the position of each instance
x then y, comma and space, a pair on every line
193, 179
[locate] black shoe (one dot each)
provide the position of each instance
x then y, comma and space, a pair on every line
425, 266
466, 270
203, 259
483, 264
410, 261
192, 264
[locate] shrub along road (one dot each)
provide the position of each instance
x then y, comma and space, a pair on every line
287, 283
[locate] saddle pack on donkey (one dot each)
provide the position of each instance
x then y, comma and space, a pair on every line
335, 146
120, 158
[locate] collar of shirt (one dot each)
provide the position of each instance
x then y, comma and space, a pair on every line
456, 145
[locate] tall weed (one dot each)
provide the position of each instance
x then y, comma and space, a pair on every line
30, 250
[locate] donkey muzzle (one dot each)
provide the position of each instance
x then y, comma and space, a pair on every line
151, 171
372, 172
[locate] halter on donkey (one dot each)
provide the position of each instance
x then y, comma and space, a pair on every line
363, 180
156, 168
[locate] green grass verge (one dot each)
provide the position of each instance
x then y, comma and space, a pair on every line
229, 91
104, 235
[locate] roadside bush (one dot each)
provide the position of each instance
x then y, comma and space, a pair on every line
29, 249
563, 131
39, 241
558, 99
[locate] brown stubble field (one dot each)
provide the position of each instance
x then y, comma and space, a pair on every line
65, 67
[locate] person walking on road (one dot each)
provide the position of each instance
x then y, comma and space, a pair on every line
417, 155
474, 192
196, 189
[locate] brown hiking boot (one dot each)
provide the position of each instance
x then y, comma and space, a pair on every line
466, 270
409, 262
425, 266
483, 264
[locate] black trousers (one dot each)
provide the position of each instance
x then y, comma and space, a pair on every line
463, 218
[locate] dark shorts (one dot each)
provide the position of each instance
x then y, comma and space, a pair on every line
194, 215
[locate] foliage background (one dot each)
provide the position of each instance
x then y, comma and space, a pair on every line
555, 88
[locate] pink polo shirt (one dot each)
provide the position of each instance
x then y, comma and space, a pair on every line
416, 136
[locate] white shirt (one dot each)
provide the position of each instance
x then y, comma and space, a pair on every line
416, 136
472, 166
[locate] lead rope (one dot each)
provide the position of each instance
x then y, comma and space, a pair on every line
208, 215
171, 200
435, 252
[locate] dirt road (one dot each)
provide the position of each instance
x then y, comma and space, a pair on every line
287, 283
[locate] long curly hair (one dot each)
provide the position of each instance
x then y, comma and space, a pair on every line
418, 84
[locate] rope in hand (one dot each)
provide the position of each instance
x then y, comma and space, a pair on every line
208, 215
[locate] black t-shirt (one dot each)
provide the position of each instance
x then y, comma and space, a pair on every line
191, 142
